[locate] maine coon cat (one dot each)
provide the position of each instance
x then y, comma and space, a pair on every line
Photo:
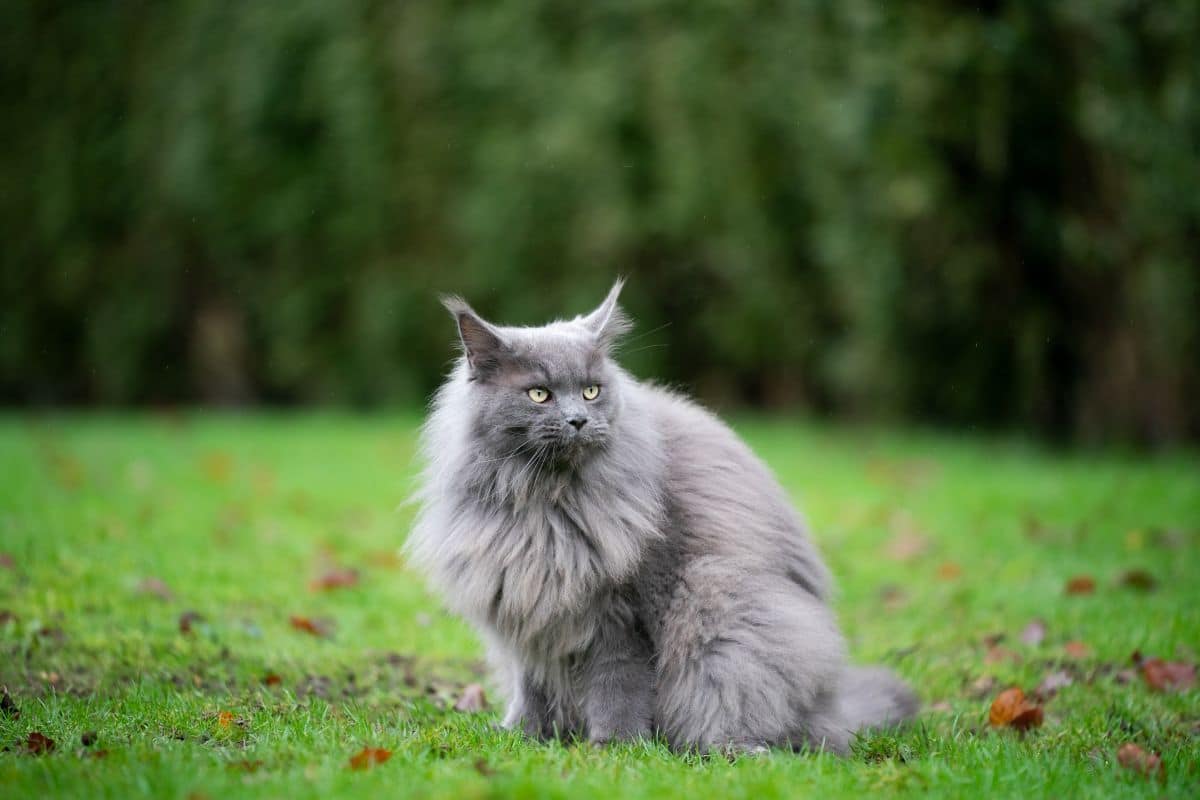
632, 567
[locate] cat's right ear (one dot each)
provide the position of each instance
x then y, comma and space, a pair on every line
481, 341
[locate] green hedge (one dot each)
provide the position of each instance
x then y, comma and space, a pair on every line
984, 215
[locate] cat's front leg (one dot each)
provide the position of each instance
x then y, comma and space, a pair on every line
617, 688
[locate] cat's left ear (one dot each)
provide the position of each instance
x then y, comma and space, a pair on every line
609, 322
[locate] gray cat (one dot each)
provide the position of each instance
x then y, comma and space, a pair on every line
631, 565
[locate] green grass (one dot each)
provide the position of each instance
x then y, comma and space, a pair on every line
236, 514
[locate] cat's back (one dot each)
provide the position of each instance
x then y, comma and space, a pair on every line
724, 503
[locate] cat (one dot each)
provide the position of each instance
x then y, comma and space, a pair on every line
633, 568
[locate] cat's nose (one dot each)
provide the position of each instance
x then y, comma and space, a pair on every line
577, 422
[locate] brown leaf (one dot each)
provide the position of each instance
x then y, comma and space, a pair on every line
983, 686
187, 619
217, 466
949, 571
1034, 633
1138, 579
272, 679
7, 706
316, 627
1133, 757
369, 757
100, 752
1050, 684
156, 587
1076, 649
246, 765
1168, 676
1011, 708
38, 743
1081, 584
472, 699
997, 654
336, 578
225, 719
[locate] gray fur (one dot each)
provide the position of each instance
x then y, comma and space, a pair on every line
644, 573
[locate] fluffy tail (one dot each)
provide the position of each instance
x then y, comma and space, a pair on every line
873, 697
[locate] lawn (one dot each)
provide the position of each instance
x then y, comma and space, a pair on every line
118, 533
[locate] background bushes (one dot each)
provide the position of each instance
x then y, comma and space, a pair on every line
975, 215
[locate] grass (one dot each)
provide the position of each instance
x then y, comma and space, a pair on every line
937, 542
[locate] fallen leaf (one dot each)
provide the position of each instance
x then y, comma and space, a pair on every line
271, 679
38, 743
484, 768
472, 699
1133, 757
187, 619
246, 765
1011, 708
7, 706
1138, 579
89, 738
316, 627
949, 570
997, 654
156, 587
225, 719
1075, 649
369, 757
217, 467
1034, 633
1050, 685
337, 578
1168, 676
100, 752
1081, 584
983, 686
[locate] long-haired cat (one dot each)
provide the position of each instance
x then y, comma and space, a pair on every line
631, 565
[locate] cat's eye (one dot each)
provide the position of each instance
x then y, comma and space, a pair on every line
591, 392
538, 395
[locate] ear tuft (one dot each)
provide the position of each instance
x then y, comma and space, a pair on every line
481, 342
609, 322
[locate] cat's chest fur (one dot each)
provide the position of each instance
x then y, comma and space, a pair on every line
535, 568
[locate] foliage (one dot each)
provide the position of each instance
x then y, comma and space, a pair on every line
972, 213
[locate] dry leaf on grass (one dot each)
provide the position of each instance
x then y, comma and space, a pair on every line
1077, 649
315, 627
949, 571
336, 578
155, 587
1081, 584
246, 765
1060, 679
188, 619
1138, 579
1012, 709
225, 719
1034, 633
1166, 676
369, 757
38, 743
472, 699
1136, 758
272, 679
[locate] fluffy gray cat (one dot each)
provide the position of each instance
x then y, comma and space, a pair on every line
631, 565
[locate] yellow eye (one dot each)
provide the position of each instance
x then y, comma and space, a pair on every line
591, 392
538, 395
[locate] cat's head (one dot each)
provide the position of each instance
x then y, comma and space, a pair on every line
548, 391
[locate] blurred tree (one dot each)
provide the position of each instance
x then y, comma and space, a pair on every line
976, 214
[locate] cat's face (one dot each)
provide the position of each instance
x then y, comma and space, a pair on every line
550, 392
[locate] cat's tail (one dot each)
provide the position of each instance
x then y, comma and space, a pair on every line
873, 697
